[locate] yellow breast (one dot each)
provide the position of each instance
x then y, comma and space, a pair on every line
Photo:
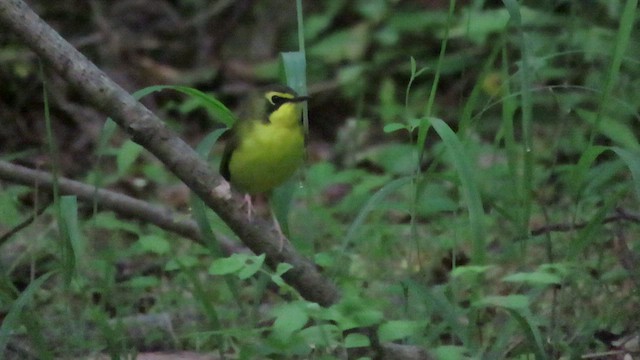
267, 155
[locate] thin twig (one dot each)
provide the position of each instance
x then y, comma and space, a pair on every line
620, 215
6, 236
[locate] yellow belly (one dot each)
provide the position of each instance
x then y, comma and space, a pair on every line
266, 157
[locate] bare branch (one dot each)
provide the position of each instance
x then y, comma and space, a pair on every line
116, 202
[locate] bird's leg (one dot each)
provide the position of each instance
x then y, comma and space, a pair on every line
276, 224
247, 202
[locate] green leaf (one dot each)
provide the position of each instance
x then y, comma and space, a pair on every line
324, 335
108, 221
470, 270
397, 329
252, 266
450, 352
283, 268
277, 276
143, 282
289, 319
393, 127
355, 340
155, 244
533, 278
228, 265
513, 302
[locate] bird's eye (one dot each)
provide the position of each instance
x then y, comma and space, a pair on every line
277, 100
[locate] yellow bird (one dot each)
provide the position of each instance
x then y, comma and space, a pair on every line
263, 153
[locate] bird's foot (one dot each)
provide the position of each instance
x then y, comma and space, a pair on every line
248, 203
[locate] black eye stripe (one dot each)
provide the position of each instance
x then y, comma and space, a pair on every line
278, 100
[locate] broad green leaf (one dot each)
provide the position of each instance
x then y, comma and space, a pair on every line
155, 244
283, 268
289, 319
393, 127
397, 329
354, 340
228, 265
321, 335
108, 221
450, 352
252, 266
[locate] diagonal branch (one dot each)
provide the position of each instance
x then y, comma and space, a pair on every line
148, 130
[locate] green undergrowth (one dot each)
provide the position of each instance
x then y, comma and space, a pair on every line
480, 201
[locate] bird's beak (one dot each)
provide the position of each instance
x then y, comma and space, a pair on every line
300, 98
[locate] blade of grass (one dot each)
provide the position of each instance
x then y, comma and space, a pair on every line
424, 124
472, 103
526, 105
72, 234
214, 107
371, 204
531, 332
207, 305
592, 232
12, 319
619, 48
67, 258
462, 164
632, 160
295, 71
